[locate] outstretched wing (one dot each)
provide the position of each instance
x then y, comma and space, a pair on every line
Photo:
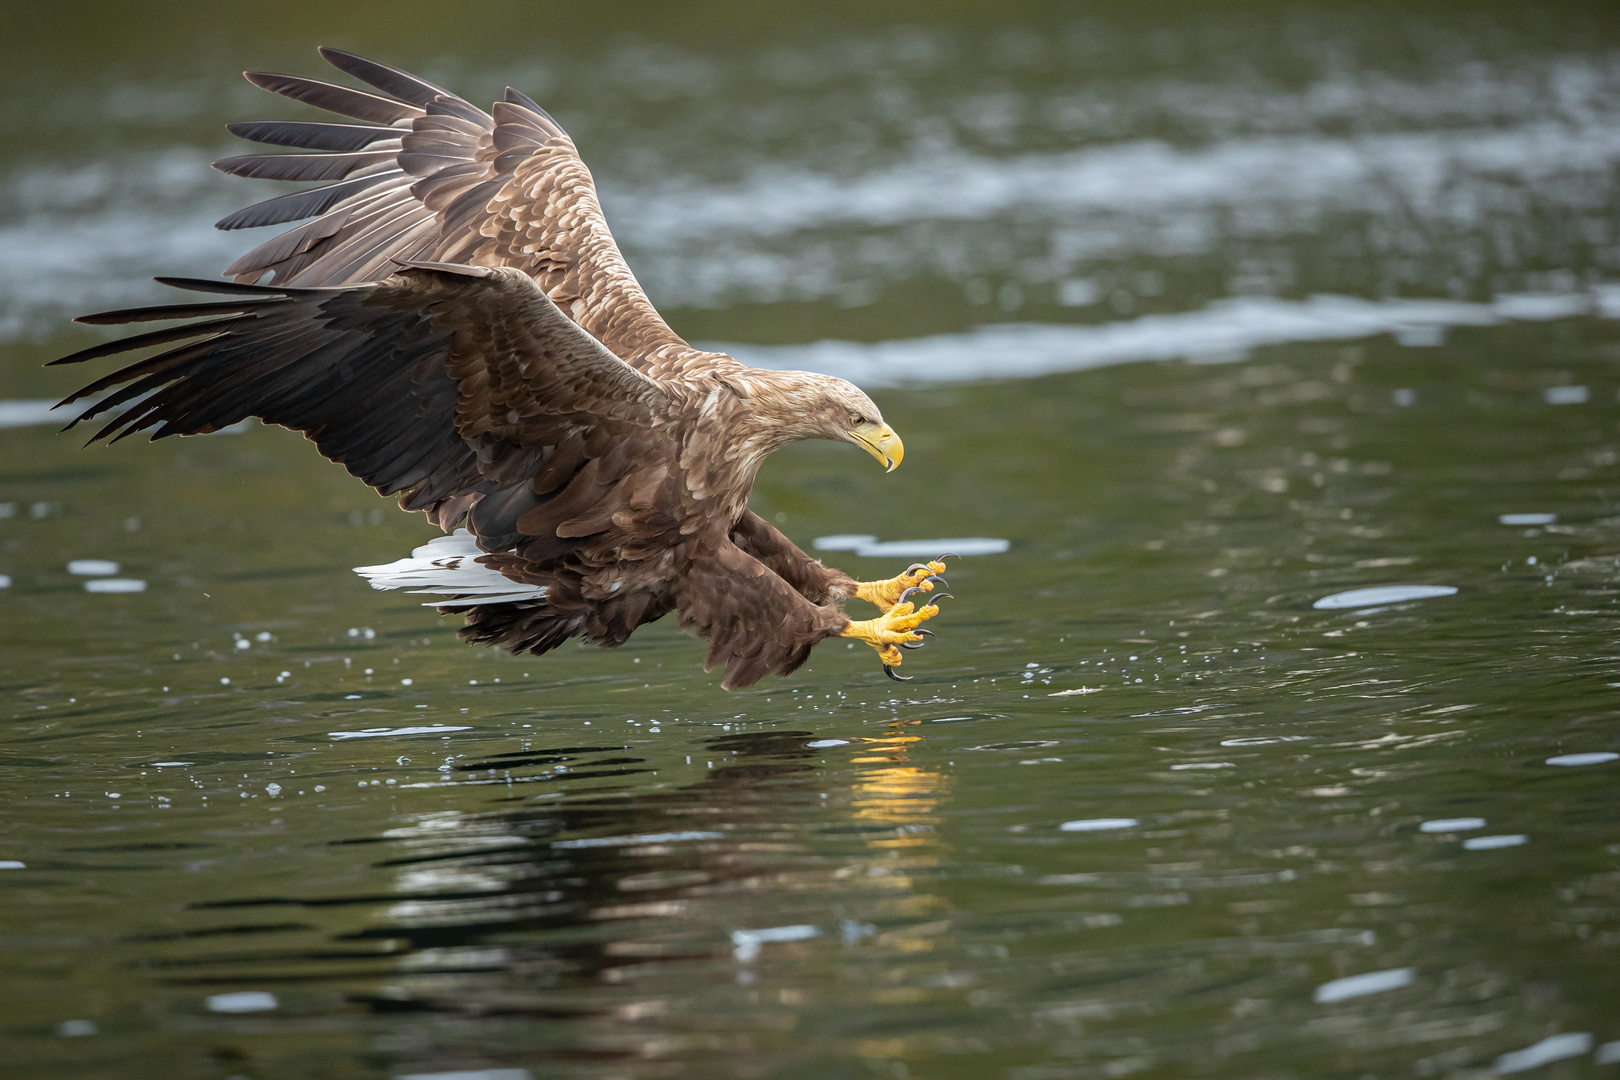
427, 176
448, 385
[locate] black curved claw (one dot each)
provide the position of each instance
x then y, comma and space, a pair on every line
948, 555
916, 566
935, 598
889, 671
905, 594
935, 579
916, 644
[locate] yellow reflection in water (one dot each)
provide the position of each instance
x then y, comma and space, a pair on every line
899, 794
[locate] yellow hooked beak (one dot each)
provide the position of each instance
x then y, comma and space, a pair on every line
881, 442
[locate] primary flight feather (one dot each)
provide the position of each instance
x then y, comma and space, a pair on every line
456, 326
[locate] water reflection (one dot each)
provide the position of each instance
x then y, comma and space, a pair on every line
612, 915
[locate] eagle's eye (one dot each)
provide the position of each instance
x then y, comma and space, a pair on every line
857, 420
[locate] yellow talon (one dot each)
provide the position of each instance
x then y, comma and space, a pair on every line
885, 593
890, 630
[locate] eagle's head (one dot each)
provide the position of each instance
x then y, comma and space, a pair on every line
793, 405
838, 410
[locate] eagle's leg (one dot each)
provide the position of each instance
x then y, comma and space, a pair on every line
886, 593
894, 628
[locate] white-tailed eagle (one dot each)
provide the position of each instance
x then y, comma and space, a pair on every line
455, 325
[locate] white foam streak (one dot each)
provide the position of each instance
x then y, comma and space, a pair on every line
242, 1001
26, 413
745, 943
1494, 843
115, 585
1552, 1048
1134, 178
871, 547
1452, 825
1382, 594
1105, 824
384, 733
1225, 330
1596, 757
1372, 982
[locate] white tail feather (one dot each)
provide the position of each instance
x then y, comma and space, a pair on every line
446, 565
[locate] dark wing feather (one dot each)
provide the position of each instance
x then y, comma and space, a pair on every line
754, 620
442, 384
810, 577
305, 135
461, 186
356, 104
300, 204
390, 80
301, 166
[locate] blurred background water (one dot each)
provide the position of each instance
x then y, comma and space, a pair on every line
1214, 313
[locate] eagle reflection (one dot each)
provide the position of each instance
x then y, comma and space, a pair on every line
615, 916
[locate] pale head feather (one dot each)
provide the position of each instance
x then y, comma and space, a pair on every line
794, 405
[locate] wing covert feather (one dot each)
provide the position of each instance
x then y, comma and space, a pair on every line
458, 186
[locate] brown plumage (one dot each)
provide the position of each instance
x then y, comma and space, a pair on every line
457, 326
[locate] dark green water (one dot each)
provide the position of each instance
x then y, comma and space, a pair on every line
604, 866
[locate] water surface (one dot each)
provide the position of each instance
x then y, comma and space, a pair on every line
1217, 318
